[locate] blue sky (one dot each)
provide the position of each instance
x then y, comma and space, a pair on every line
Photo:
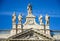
50, 7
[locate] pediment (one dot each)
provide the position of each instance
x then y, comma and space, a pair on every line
30, 34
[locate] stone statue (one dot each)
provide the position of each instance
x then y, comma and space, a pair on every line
14, 17
40, 18
29, 7
19, 19
47, 19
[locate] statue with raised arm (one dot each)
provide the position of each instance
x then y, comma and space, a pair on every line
47, 19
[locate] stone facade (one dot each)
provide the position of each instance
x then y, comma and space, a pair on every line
30, 30
30, 23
